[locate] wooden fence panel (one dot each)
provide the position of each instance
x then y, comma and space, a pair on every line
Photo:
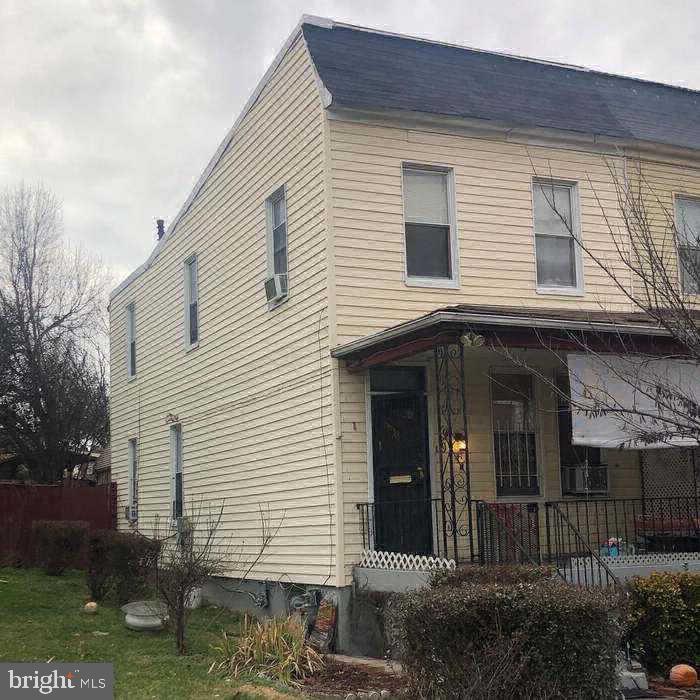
22, 504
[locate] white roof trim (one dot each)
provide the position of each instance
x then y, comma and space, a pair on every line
305, 19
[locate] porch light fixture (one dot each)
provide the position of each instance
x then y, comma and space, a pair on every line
472, 340
459, 445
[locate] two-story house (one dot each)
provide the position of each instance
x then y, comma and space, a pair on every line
328, 327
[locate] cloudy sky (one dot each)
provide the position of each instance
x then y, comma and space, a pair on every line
117, 105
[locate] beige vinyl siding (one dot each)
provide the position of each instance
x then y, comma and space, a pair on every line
659, 183
496, 266
254, 399
494, 222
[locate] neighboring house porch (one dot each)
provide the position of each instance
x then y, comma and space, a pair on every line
470, 453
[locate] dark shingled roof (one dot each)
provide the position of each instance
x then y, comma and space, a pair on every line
370, 70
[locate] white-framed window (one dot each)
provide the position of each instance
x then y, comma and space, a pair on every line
131, 339
133, 485
429, 226
514, 434
176, 489
557, 232
277, 261
191, 302
688, 229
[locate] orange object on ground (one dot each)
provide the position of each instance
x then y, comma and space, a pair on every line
683, 676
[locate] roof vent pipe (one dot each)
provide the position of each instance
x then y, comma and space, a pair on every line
161, 228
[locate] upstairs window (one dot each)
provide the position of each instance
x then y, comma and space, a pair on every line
176, 471
688, 227
556, 230
191, 302
132, 487
131, 339
277, 264
429, 228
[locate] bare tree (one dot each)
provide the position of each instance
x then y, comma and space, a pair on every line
654, 265
53, 377
194, 552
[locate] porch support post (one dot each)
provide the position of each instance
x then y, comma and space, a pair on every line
439, 390
452, 418
467, 470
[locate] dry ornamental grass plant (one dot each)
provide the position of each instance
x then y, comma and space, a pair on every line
275, 649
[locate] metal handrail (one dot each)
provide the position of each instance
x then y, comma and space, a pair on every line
581, 546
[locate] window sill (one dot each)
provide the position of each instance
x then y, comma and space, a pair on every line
525, 498
435, 282
131, 377
561, 291
191, 347
272, 305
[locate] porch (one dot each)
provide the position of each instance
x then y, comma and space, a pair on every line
470, 457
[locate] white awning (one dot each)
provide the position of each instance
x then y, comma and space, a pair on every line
633, 402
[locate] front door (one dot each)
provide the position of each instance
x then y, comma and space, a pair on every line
402, 506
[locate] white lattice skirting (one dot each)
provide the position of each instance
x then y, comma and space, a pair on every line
643, 559
372, 559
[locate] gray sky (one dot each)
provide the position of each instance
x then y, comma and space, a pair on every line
118, 105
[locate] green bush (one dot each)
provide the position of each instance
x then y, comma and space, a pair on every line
504, 574
58, 544
665, 619
133, 559
119, 562
99, 568
526, 640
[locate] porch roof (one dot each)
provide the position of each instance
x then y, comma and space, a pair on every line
510, 326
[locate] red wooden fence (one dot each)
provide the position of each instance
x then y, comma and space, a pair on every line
22, 504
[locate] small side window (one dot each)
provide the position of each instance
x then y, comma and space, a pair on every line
277, 284
132, 508
191, 302
131, 339
176, 471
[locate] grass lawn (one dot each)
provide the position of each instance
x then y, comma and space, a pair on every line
41, 618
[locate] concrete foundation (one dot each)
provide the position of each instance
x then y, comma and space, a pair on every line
360, 628
265, 599
390, 580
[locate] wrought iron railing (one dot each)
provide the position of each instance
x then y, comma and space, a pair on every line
414, 527
508, 533
579, 537
615, 526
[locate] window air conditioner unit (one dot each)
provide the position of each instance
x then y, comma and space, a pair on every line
587, 480
276, 287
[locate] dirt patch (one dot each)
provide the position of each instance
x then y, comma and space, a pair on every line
338, 678
663, 687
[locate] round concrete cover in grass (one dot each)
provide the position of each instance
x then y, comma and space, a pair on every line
145, 615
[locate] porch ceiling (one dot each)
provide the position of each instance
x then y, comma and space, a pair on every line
554, 329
